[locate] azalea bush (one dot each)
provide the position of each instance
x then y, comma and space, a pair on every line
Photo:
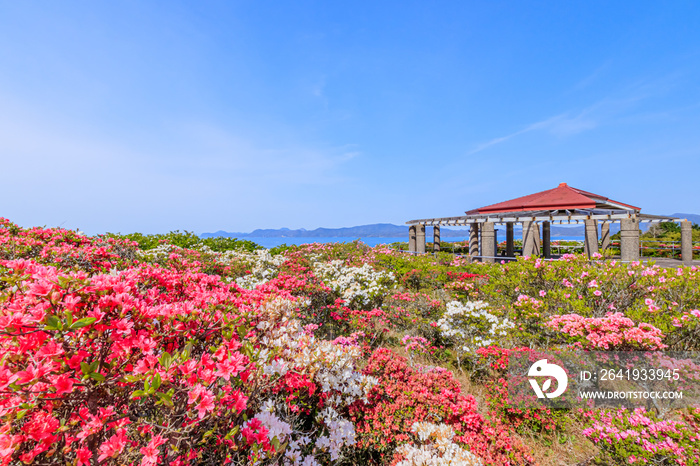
405, 395
532, 291
187, 240
491, 366
640, 437
135, 349
156, 364
119, 364
153, 365
435, 447
465, 285
358, 286
614, 331
473, 325
64, 248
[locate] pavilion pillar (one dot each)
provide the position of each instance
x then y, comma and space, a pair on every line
412, 238
590, 243
686, 242
510, 249
629, 239
436, 238
605, 235
529, 244
420, 239
474, 239
546, 240
495, 241
488, 235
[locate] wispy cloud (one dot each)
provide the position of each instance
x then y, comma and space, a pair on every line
571, 122
560, 125
589, 80
603, 112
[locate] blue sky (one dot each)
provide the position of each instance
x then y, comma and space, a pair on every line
236, 115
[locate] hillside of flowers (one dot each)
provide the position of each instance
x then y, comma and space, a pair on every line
120, 350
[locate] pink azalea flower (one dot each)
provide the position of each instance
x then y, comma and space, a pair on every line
205, 405
150, 452
83, 456
113, 446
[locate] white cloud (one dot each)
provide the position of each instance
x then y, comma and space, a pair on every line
571, 122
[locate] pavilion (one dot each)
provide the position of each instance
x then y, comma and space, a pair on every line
563, 204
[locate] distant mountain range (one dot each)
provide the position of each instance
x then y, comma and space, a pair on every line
694, 218
388, 230
377, 230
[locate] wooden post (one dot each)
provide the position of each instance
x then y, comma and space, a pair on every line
495, 242
687, 242
412, 238
436, 238
629, 239
474, 239
605, 235
546, 240
510, 249
420, 239
591, 240
529, 244
488, 233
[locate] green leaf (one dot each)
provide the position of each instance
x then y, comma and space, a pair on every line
69, 318
188, 351
165, 398
232, 433
53, 323
137, 394
63, 281
156, 382
247, 349
97, 376
85, 368
82, 323
166, 360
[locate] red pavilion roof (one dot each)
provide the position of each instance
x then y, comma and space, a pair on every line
563, 197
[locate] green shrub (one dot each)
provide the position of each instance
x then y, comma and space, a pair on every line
187, 240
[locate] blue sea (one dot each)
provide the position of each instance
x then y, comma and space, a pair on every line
371, 241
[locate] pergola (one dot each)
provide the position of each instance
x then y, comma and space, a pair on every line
563, 204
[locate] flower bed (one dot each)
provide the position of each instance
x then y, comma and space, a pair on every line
112, 354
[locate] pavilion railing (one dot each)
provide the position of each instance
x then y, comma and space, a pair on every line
647, 247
